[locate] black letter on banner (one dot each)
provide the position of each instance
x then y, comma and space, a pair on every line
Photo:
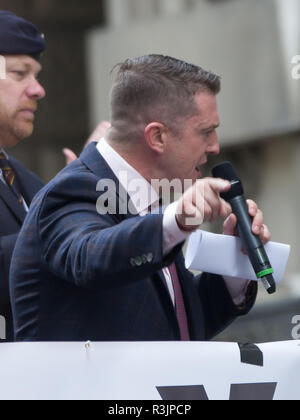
251, 355
253, 392
183, 393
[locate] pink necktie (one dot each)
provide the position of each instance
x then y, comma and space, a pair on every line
179, 303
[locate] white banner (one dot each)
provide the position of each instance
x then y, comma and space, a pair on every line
148, 371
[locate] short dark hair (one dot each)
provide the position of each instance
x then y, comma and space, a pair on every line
156, 88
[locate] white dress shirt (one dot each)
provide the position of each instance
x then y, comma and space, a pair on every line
172, 234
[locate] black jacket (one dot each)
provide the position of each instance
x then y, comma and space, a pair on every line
12, 217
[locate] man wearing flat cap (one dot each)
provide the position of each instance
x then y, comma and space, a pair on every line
21, 46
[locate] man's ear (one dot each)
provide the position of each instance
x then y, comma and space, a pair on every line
155, 135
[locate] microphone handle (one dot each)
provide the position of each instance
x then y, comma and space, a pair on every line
252, 243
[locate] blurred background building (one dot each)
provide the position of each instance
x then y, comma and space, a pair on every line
250, 43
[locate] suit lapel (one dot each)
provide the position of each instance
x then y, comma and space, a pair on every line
28, 185
95, 162
28, 182
12, 202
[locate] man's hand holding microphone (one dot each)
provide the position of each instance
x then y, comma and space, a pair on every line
202, 203
212, 198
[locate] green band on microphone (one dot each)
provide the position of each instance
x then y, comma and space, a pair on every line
264, 273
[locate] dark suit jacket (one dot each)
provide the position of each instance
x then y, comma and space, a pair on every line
77, 275
12, 216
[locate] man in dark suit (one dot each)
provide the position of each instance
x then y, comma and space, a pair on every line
21, 46
92, 261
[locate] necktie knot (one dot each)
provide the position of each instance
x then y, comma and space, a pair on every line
9, 176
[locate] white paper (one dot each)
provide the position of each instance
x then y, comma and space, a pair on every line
221, 254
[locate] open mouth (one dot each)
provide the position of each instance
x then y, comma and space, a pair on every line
198, 170
28, 110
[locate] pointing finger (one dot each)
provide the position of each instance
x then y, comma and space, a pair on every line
219, 185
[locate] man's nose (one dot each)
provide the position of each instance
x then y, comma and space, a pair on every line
35, 90
214, 146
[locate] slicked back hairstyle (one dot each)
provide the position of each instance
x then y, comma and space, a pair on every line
156, 88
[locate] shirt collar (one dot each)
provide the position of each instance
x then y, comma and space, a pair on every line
140, 191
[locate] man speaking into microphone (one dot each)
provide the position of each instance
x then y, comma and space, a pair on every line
80, 274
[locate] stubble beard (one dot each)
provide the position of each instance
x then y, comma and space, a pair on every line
12, 133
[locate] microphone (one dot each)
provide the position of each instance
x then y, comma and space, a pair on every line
252, 243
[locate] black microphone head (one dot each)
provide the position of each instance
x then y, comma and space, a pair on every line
226, 171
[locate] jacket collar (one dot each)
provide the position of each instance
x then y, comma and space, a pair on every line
93, 160
12, 202
95, 163
8, 196
141, 192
